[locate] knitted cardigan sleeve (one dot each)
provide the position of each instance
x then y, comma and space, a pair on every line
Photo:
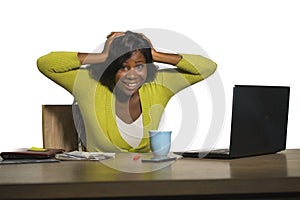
190, 70
61, 67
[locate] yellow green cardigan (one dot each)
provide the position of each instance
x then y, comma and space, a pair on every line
97, 103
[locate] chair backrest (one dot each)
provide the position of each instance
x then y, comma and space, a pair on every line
58, 127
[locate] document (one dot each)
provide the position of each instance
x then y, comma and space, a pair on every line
82, 155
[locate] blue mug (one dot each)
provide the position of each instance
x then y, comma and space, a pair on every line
160, 142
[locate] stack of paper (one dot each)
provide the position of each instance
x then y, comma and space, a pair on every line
81, 155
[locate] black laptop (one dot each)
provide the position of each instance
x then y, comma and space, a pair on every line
258, 123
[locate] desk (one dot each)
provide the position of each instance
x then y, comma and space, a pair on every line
268, 176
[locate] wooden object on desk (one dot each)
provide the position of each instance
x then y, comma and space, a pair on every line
58, 127
275, 176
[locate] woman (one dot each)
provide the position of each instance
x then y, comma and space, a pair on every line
121, 93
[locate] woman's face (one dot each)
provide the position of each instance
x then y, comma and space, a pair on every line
132, 75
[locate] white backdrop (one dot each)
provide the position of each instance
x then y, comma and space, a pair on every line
253, 42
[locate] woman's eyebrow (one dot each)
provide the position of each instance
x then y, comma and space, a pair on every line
139, 60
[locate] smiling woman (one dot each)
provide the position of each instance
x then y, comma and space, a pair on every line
128, 80
121, 93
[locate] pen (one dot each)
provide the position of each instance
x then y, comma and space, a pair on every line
136, 157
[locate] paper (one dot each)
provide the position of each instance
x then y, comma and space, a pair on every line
82, 155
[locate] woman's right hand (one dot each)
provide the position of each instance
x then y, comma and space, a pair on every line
92, 58
110, 37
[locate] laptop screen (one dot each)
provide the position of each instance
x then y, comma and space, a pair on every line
259, 119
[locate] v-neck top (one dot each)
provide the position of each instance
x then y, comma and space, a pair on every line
97, 103
132, 133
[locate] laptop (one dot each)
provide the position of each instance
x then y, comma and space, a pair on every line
258, 123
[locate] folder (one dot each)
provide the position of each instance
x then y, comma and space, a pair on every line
25, 153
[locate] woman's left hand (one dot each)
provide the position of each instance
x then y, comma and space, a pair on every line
153, 51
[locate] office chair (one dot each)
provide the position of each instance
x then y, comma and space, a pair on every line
59, 130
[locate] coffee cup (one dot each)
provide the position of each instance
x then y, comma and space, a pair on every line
160, 142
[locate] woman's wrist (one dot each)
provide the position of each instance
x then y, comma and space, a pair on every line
168, 58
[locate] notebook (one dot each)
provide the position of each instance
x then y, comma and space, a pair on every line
258, 123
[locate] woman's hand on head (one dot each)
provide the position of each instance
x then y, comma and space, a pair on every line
92, 58
168, 58
115, 34
110, 37
153, 51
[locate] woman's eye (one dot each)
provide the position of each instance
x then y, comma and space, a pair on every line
124, 68
139, 67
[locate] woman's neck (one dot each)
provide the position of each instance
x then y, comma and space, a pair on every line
128, 108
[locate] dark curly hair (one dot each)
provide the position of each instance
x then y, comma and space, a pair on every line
121, 49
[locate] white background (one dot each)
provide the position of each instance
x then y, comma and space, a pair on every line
252, 41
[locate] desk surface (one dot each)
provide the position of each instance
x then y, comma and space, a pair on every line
269, 174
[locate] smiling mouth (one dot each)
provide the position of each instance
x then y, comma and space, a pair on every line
131, 86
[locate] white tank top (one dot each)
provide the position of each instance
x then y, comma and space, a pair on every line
131, 133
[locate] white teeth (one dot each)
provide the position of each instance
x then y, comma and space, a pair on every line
131, 84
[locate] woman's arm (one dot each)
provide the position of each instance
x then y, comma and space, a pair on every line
167, 58
63, 67
91, 58
60, 67
189, 70
187, 64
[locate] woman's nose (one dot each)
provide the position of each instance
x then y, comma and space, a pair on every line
131, 74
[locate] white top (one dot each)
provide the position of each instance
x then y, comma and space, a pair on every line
131, 133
